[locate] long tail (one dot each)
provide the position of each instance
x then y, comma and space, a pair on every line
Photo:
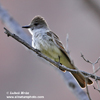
81, 80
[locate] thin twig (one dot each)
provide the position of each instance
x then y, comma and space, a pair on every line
87, 89
97, 61
93, 66
96, 89
85, 59
86, 77
96, 70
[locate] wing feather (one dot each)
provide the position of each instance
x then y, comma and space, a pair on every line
58, 43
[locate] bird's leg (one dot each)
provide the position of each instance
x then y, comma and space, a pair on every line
61, 64
59, 59
37, 50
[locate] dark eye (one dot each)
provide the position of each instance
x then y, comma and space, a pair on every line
35, 24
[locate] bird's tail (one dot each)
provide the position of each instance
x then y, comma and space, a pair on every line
81, 80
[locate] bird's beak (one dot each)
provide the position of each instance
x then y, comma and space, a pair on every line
26, 26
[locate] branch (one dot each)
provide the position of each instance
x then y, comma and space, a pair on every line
94, 71
46, 58
88, 61
96, 89
71, 83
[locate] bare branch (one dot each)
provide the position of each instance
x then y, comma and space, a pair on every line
96, 89
97, 61
85, 59
45, 57
89, 60
93, 66
87, 89
96, 70
90, 75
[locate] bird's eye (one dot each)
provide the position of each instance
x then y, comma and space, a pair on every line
35, 24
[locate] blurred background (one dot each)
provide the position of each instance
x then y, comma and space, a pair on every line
21, 70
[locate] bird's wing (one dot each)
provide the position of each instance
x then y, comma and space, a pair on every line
58, 43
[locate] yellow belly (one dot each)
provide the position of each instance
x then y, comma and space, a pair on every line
54, 53
49, 49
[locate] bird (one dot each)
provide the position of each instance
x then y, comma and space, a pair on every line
49, 44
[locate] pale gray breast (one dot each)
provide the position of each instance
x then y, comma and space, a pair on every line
41, 40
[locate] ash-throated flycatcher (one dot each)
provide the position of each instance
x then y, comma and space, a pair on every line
49, 44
